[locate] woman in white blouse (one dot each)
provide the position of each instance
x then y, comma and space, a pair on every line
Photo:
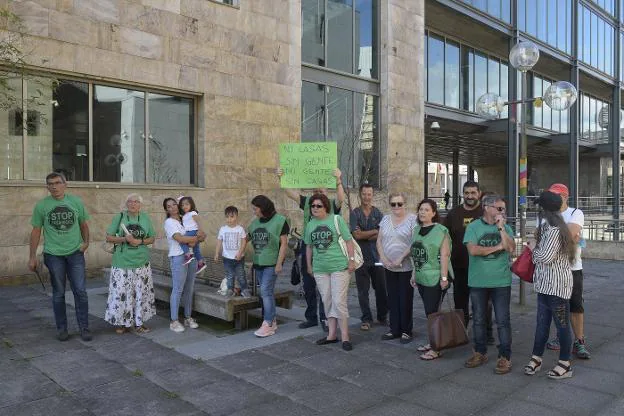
393, 244
553, 251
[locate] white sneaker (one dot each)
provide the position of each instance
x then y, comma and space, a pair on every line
176, 326
265, 330
190, 322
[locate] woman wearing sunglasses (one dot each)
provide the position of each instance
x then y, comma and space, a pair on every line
394, 245
330, 267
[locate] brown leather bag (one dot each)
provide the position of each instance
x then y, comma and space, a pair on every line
446, 328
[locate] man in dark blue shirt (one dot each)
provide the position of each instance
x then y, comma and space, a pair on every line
364, 222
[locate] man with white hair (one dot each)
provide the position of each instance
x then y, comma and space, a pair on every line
63, 219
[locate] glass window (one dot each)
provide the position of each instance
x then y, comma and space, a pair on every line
340, 35
504, 91
521, 15
494, 8
542, 19
551, 36
467, 78
313, 32
493, 76
563, 17
340, 125
586, 56
312, 112
537, 92
594, 41
546, 110
451, 75
609, 51
366, 33
11, 127
366, 167
70, 120
435, 71
170, 137
585, 127
531, 18
41, 128
118, 135
481, 72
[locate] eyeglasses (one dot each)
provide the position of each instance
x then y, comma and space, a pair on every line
499, 209
396, 204
316, 206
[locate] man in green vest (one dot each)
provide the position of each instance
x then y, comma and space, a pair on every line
63, 219
309, 284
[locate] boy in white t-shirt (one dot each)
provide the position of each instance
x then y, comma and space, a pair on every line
231, 243
192, 226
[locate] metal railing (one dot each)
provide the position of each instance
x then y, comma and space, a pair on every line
593, 230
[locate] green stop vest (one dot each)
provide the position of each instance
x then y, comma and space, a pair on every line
425, 252
265, 239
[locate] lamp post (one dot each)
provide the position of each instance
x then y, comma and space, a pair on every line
560, 96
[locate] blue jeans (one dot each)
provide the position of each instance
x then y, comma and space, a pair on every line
186, 247
500, 296
309, 290
558, 309
266, 277
72, 267
183, 278
235, 269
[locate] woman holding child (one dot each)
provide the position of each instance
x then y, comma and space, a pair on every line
268, 234
131, 289
330, 267
182, 273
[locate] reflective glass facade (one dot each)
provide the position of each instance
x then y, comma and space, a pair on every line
544, 116
342, 36
457, 75
596, 40
500, 9
548, 21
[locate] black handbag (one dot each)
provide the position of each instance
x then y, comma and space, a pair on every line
295, 272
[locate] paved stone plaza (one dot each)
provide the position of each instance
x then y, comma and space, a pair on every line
205, 372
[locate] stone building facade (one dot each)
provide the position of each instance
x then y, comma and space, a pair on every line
226, 77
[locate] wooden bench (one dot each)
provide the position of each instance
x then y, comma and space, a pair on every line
206, 300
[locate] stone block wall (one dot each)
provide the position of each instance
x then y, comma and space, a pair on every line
243, 63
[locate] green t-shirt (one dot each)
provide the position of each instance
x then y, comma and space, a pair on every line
60, 221
126, 256
491, 270
321, 235
425, 252
265, 239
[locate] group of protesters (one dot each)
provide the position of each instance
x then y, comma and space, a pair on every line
469, 250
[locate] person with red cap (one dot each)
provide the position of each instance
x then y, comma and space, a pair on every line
575, 219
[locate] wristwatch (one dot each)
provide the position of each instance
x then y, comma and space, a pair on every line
352, 258
444, 278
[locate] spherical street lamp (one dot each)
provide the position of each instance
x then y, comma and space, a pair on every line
523, 56
560, 95
490, 106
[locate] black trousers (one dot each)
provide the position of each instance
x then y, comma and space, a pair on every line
400, 302
366, 276
432, 297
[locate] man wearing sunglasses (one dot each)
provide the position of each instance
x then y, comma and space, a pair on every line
489, 241
309, 284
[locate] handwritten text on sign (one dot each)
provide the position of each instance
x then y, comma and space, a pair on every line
308, 165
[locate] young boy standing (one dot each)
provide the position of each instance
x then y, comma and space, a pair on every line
231, 243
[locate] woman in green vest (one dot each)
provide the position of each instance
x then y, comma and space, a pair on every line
131, 289
431, 250
330, 267
268, 234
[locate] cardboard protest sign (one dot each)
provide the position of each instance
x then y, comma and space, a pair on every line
308, 165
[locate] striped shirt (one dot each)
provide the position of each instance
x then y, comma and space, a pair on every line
553, 275
396, 240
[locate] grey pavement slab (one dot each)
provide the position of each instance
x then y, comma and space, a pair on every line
60, 404
451, 398
287, 374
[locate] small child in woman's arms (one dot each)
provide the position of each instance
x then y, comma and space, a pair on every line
192, 226
231, 243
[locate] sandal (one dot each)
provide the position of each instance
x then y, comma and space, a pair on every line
561, 371
121, 330
424, 348
365, 326
430, 355
533, 366
142, 329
